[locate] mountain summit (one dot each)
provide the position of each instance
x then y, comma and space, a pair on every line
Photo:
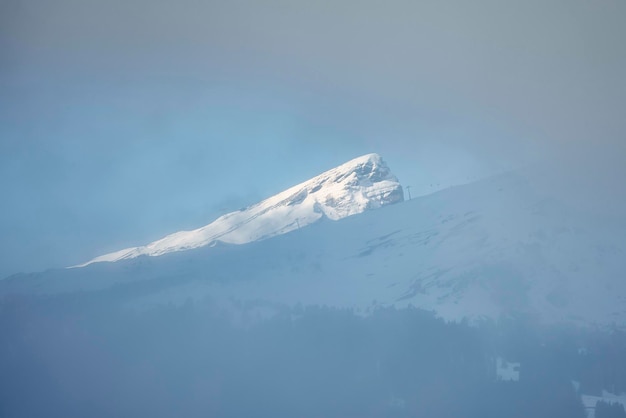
360, 184
506, 246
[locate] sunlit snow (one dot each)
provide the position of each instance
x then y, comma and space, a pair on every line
360, 184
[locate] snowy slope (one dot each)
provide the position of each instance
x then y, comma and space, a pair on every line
496, 247
358, 185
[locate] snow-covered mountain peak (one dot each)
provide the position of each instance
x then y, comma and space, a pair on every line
358, 185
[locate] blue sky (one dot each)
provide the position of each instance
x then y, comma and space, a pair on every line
122, 121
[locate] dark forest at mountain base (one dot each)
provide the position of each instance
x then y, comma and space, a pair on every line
71, 356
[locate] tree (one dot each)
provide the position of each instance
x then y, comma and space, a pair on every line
610, 410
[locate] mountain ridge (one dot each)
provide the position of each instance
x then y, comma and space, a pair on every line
496, 247
360, 184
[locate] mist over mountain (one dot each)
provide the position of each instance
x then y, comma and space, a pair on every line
337, 298
185, 230
506, 245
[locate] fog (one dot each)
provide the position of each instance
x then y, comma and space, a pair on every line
124, 121
87, 356
113, 109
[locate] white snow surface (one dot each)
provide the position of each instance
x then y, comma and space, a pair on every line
504, 246
590, 401
507, 371
360, 184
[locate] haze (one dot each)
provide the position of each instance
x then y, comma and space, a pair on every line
125, 120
